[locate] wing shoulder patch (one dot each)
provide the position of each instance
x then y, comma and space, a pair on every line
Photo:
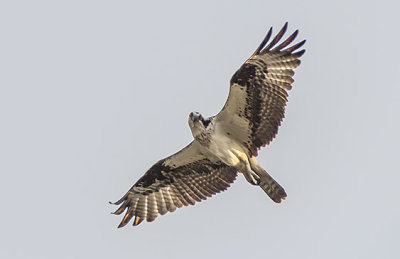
245, 75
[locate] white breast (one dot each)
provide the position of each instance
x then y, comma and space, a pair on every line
226, 149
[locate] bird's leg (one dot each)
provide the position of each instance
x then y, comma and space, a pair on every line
243, 166
251, 176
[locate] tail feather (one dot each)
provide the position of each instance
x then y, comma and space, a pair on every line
271, 187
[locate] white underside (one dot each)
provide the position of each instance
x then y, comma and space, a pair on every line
229, 151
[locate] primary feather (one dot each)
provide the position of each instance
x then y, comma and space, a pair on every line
225, 144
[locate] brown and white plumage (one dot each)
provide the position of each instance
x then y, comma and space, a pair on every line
258, 93
179, 180
226, 143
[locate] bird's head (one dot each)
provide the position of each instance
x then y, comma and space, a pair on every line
197, 123
195, 117
195, 120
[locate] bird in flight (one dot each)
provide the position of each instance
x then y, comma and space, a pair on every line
226, 143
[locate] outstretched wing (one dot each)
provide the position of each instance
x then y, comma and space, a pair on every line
258, 92
179, 180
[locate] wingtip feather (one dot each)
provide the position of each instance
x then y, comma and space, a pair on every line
137, 221
299, 53
289, 40
277, 38
264, 41
296, 46
125, 220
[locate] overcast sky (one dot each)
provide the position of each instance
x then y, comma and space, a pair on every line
92, 93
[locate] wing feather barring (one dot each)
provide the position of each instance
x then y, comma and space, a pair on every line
224, 144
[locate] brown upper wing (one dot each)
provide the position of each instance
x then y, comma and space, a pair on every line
179, 180
258, 92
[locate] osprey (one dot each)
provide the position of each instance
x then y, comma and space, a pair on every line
224, 144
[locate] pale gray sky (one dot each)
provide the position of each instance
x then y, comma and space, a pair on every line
94, 92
